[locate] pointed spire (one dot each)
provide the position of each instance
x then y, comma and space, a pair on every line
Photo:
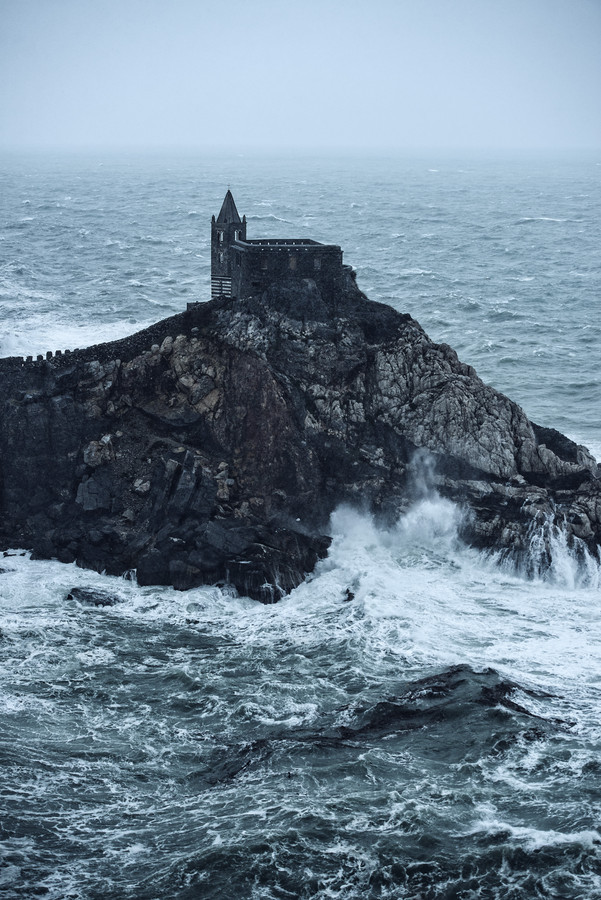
228, 212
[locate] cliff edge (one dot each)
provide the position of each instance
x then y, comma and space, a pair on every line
214, 446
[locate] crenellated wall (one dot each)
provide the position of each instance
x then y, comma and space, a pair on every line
124, 349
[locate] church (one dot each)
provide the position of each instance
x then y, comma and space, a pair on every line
242, 267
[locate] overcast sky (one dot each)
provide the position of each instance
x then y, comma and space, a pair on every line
240, 74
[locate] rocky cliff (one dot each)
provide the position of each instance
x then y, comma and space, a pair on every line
213, 447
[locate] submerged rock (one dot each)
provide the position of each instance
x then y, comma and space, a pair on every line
213, 447
91, 597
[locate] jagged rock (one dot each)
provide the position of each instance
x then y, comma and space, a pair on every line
218, 455
93, 494
99, 452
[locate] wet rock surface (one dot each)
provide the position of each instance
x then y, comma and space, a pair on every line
213, 447
90, 597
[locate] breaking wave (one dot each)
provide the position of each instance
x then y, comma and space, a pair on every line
556, 556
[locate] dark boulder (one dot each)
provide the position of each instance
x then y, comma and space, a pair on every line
92, 597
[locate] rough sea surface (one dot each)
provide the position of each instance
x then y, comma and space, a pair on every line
438, 735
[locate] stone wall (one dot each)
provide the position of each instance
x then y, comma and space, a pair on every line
257, 266
124, 349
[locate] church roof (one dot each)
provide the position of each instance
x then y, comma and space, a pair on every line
228, 212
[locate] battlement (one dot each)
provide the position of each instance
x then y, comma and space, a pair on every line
284, 242
124, 349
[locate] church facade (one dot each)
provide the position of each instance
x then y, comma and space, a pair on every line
242, 267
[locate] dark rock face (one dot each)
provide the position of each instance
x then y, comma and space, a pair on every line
213, 447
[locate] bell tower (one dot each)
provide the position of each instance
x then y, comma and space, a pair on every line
227, 228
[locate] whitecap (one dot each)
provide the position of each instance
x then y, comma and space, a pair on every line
404, 273
535, 838
268, 218
539, 219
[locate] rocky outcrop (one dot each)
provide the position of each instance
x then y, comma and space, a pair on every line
213, 447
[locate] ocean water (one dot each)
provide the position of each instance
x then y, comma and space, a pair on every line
437, 736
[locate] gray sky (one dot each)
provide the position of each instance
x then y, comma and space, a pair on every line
325, 74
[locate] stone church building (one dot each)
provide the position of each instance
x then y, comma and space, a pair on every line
242, 267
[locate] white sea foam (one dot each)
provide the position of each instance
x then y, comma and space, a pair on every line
415, 271
541, 219
56, 335
270, 217
450, 603
534, 838
421, 602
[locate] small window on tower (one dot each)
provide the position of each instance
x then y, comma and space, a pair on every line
317, 263
221, 237
264, 263
292, 262
221, 257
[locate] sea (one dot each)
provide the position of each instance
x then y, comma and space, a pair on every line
438, 734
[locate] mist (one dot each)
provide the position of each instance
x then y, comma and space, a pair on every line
389, 74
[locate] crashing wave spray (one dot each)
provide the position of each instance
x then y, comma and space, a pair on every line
430, 531
552, 553
431, 521
555, 555
427, 531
